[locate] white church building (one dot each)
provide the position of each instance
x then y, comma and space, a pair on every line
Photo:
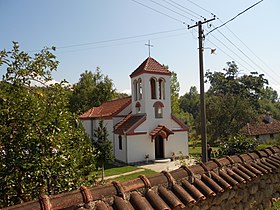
142, 126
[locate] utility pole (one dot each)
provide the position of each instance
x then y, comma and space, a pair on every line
202, 92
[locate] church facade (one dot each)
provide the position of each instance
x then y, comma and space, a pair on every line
142, 126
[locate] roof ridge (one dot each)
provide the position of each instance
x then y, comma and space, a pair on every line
214, 177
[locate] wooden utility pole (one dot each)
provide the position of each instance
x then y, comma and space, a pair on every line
202, 92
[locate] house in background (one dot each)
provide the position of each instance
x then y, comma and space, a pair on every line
266, 128
142, 125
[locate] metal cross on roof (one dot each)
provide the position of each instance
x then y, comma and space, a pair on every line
149, 45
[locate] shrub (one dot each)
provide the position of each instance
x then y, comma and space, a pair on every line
237, 145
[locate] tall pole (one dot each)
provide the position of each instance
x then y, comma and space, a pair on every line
202, 92
202, 96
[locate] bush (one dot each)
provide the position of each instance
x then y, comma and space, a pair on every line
237, 145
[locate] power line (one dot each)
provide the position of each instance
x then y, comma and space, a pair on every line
246, 55
201, 7
186, 10
235, 17
144, 5
116, 39
251, 50
171, 10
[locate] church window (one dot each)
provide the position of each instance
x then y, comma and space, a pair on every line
120, 142
161, 88
158, 106
135, 89
140, 91
153, 88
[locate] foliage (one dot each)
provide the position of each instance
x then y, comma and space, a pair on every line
44, 149
232, 100
237, 145
103, 149
190, 102
92, 90
227, 115
174, 91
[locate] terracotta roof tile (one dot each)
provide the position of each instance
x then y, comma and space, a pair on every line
177, 189
262, 128
150, 66
129, 123
107, 109
161, 129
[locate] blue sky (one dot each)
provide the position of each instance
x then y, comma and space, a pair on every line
91, 33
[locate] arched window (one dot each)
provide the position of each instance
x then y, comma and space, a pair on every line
138, 107
161, 88
153, 88
140, 91
158, 106
135, 89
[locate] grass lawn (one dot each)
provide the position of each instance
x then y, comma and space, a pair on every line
196, 152
111, 169
146, 172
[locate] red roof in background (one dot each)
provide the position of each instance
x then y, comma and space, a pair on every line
129, 123
151, 66
261, 128
107, 109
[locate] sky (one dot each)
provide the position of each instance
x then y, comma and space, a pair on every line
112, 34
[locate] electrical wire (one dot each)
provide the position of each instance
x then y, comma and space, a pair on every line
144, 5
116, 39
186, 10
250, 50
201, 7
171, 10
234, 17
259, 67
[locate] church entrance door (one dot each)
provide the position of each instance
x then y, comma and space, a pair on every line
159, 147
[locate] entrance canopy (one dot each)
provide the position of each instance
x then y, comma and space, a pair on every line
162, 131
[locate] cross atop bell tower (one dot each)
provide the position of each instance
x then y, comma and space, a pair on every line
149, 45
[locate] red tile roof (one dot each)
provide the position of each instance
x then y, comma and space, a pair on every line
107, 109
150, 66
129, 123
177, 189
161, 129
261, 128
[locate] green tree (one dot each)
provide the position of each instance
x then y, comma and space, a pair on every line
232, 100
44, 149
92, 90
237, 144
103, 148
190, 102
174, 90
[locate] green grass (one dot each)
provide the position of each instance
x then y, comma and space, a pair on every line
111, 170
146, 172
197, 150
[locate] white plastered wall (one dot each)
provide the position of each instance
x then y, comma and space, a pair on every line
138, 146
178, 142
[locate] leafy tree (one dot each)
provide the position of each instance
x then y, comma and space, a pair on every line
269, 94
190, 102
92, 90
174, 90
44, 150
103, 148
237, 145
232, 100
